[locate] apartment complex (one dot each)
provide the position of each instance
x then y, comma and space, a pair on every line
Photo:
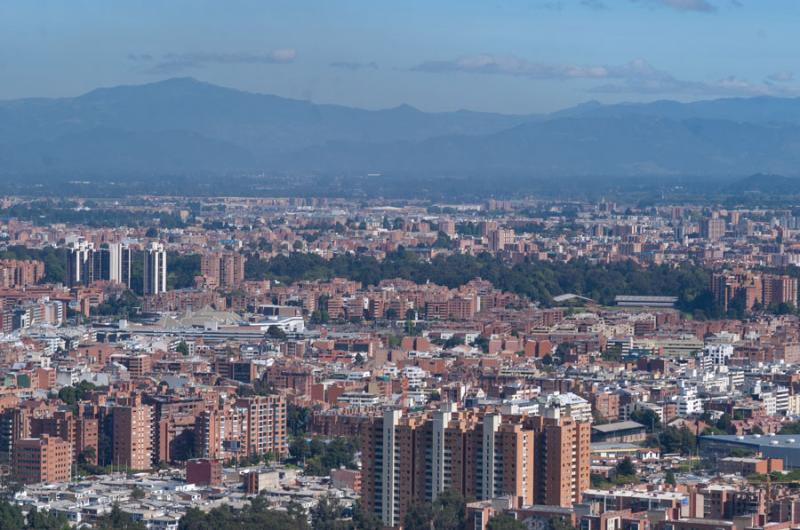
752, 288
409, 458
132, 435
87, 264
253, 425
222, 269
20, 273
46, 459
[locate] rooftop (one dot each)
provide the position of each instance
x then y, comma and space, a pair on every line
617, 426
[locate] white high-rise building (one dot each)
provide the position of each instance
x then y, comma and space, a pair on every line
155, 269
119, 263
79, 262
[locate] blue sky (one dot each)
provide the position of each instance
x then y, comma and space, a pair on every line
507, 56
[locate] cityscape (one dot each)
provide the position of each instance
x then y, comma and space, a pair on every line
293, 284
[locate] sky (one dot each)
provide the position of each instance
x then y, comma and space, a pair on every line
510, 56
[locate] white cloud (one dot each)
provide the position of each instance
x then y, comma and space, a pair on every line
354, 65
683, 5
509, 65
634, 77
171, 63
781, 77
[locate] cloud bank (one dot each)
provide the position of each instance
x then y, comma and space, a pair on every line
172, 63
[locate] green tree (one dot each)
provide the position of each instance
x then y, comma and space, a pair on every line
677, 440
326, 513
790, 428
442, 241
297, 419
646, 417
419, 516
447, 512
669, 477
182, 348
138, 493
626, 468
45, 520
276, 332
363, 519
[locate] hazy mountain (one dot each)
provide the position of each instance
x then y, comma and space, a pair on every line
625, 146
189, 127
208, 114
768, 184
762, 109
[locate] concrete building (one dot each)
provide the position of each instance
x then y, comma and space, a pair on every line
79, 263
622, 431
155, 269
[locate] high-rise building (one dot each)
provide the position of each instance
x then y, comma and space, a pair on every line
87, 264
42, 460
712, 228
20, 273
562, 458
779, 289
251, 426
410, 458
116, 263
155, 269
79, 262
120, 263
266, 425
223, 269
132, 438
750, 288
80, 432
499, 238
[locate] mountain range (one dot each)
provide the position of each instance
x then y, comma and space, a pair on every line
184, 126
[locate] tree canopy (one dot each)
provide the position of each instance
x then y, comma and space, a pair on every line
536, 280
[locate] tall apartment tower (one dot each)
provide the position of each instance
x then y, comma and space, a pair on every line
408, 459
222, 269
80, 265
779, 289
119, 263
562, 459
86, 264
499, 238
266, 425
132, 438
208, 430
712, 228
155, 269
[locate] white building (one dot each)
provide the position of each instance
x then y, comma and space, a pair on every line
719, 353
155, 269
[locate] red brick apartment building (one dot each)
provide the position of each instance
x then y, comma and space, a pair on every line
46, 459
412, 458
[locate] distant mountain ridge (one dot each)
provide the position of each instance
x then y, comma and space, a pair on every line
184, 126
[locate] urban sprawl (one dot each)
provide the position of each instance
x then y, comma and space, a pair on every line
179, 362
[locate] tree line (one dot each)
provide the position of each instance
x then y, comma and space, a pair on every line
536, 280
